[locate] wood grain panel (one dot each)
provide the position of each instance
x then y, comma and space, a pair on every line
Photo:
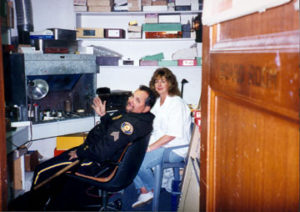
250, 113
273, 20
256, 159
264, 79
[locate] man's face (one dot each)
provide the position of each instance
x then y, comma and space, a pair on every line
136, 102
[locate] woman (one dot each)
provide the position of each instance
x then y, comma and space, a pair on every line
171, 127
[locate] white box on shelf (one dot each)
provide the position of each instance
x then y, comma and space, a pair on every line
155, 8
182, 2
79, 8
169, 18
79, 2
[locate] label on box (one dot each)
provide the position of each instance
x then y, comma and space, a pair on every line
114, 33
187, 62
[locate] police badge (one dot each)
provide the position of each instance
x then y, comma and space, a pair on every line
127, 128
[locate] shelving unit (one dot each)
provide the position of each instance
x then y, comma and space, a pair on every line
191, 12
130, 77
120, 20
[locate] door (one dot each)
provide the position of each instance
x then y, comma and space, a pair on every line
3, 166
250, 111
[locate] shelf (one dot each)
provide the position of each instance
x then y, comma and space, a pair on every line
139, 13
64, 127
137, 40
148, 67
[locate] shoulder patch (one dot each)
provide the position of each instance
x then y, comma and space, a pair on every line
117, 117
127, 128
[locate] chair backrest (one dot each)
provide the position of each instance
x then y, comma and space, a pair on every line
127, 169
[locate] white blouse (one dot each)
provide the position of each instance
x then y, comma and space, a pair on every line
173, 118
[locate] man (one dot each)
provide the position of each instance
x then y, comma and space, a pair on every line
105, 142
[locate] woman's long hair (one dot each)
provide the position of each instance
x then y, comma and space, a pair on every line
169, 76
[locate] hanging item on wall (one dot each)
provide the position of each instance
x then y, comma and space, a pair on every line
197, 27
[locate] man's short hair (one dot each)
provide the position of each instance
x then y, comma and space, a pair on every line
150, 101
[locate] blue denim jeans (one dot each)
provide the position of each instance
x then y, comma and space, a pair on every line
145, 176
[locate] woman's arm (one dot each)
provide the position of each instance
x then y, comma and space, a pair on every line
160, 142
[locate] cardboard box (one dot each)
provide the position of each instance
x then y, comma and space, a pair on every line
168, 63
79, 8
99, 8
107, 61
148, 63
16, 169
100, 2
90, 33
169, 18
134, 35
166, 34
31, 160
114, 33
175, 27
134, 5
159, 2
18, 173
79, 2
69, 141
151, 18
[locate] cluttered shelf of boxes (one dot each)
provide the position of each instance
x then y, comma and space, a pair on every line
135, 30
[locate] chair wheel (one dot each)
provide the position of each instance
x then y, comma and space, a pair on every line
118, 204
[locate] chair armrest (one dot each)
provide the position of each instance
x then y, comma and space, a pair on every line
169, 149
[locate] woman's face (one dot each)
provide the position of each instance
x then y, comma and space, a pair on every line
161, 86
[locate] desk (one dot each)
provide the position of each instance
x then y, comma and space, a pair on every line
58, 128
16, 138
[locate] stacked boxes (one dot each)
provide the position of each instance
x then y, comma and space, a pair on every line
134, 32
134, 5
80, 5
100, 5
172, 30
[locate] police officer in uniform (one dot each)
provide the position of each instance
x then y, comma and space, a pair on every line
105, 142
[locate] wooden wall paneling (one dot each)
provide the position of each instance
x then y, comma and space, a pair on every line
250, 113
3, 159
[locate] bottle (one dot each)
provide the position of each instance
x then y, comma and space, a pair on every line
36, 112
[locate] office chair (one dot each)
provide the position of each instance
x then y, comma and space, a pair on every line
121, 174
158, 173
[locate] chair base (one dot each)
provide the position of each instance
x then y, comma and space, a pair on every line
115, 205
